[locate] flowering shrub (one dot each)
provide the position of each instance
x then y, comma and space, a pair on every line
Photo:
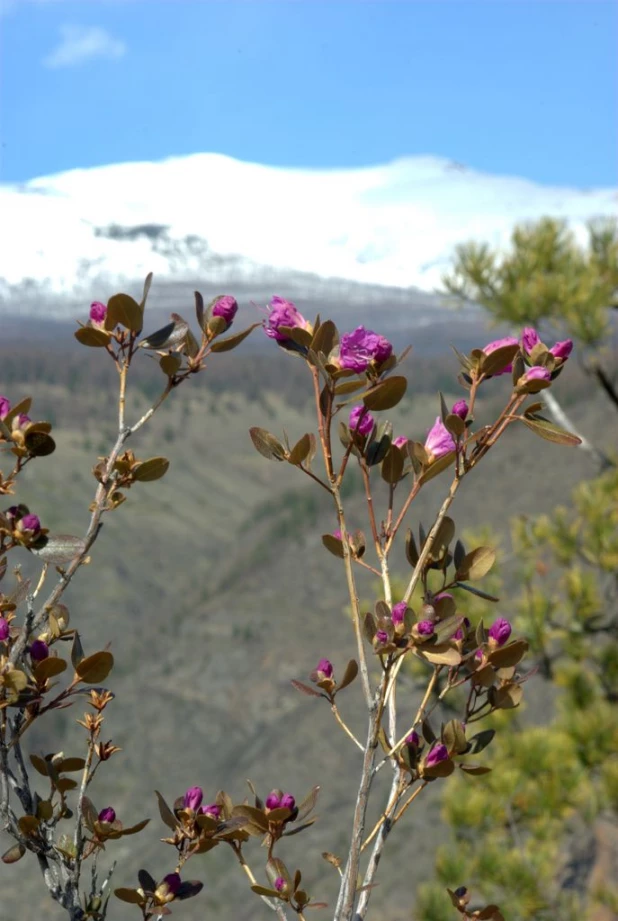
61, 825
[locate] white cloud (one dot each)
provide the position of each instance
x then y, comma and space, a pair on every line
82, 43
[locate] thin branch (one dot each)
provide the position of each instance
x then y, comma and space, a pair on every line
345, 727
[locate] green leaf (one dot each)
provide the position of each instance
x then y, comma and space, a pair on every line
324, 338
333, 545
480, 741
93, 338
349, 675
266, 444
230, 342
95, 668
123, 310
476, 564
199, 308
146, 291
386, 394
392, 466
57, 549
438, 466
440, 655
348, 387
549, 431
130, 895
474, 769
152, 469
166, 813
14, 853
49, 668
39, 444
300, 451
170, 364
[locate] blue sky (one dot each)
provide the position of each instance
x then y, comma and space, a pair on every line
506, 86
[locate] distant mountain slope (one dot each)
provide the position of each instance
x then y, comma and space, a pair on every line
209, 216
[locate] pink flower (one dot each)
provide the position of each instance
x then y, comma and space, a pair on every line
499, 344
283, 313
361, 420
359, 348
400, 442
399, 612
439, 441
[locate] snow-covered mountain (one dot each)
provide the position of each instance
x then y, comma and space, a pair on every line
210, 216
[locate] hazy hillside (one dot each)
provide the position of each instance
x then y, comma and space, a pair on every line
215, 590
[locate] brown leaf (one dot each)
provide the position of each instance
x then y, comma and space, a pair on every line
386, 394
150, 470
95, 668
230, 342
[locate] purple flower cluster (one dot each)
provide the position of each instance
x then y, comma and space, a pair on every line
358, 349
425, 627
39, 650
4, 630
398, 612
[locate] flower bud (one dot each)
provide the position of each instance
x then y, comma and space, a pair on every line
4, 630
382, 637
273, 800
437, 754
500, 344
460, 408
412, 739
401, 441
399, 612
193, 798
536, 374
500, 631
280, 884
361, 420
425, 627
562, 349
29, 523
98, 312
5, 407
529, 338
107, 815
460, 633
288, 801
439, 441
212, 809
226, 308
324, 669
167, 889
39, 650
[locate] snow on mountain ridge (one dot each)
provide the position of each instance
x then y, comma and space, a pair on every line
394, 224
